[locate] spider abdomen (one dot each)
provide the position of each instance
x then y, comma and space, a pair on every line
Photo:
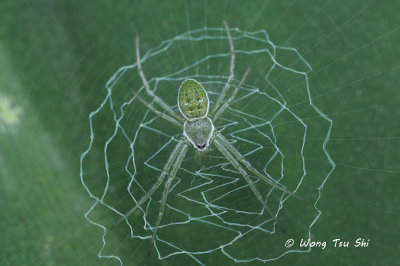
193, 100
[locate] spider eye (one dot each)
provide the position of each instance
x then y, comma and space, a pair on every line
201, 146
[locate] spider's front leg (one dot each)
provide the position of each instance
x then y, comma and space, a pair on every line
172, 174
235, 158
175, 156
219, 138
243, 172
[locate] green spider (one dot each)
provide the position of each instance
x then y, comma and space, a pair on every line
197, 122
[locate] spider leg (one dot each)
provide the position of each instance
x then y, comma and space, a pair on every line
219, 112
223, 141
161, 114
174, 171
243, 172
149, 92
232, 68
175, 153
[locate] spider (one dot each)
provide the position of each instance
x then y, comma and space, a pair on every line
197, 122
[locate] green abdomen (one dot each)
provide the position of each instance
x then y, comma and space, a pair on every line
193, 99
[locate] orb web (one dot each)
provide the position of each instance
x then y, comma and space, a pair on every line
211, 211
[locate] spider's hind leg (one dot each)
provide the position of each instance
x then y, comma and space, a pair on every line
231, 70
149, 92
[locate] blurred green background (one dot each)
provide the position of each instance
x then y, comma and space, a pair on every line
56, 56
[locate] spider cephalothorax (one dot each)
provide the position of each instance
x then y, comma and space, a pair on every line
198, 129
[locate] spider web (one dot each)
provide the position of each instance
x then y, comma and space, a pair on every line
211, 212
